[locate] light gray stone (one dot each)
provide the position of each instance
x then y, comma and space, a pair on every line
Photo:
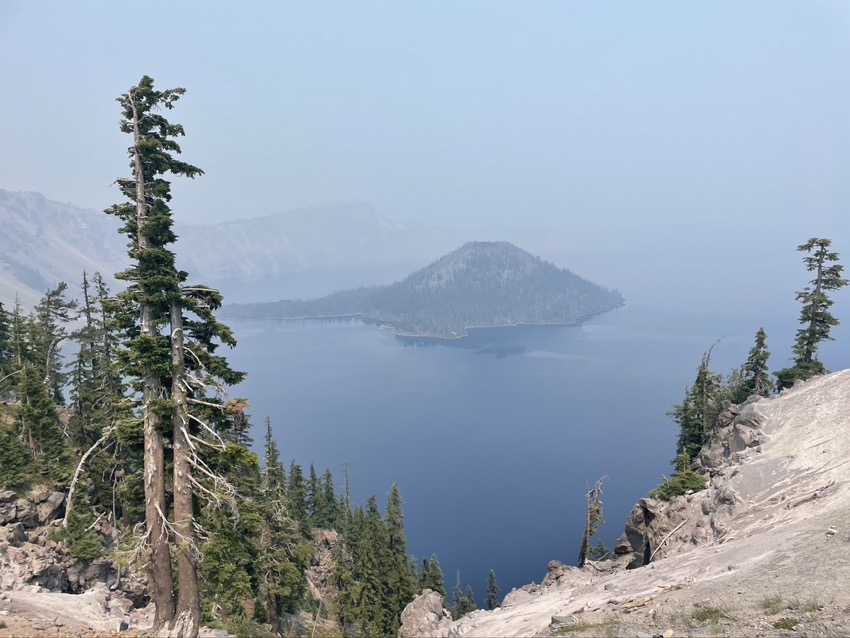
425, 617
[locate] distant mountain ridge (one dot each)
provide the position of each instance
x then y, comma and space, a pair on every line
44, 242
479, 284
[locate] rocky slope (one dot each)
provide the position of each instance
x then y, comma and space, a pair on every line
43, 589
761, 552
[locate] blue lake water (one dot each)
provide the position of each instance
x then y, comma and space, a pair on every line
494, 444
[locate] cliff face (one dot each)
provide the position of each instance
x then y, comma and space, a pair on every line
761, 550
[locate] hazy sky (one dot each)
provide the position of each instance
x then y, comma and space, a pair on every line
635, 116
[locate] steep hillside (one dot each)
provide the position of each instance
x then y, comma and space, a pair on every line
320, 237
760, 551
479, 284
44, 242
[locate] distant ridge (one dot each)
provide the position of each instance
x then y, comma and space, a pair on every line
43, 242
479, 284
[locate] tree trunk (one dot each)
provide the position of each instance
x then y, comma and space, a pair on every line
187, 620
161, 581
808, 355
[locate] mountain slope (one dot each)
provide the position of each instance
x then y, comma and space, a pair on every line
479, 284
44, 242
762, 549
325, 236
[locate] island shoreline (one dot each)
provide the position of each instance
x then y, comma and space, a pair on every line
424, 339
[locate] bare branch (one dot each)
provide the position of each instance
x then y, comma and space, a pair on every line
70, 506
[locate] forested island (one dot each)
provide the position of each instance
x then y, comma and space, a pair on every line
479, 284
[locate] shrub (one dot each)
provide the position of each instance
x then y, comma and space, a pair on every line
682, 481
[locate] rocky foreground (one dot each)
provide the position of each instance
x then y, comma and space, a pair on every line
764, 551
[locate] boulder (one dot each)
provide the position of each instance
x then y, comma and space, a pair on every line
83, 574
50, 507
425, 617
25, 513
13, 534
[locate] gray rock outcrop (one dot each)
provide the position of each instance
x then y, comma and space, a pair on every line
425, 617
30, 560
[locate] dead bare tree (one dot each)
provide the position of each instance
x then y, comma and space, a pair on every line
593, 519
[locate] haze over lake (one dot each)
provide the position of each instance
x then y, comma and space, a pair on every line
495, 441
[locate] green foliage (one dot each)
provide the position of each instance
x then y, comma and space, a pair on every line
815, 317
15, 468
754, 377
39, 428
281, 554
462, 603
82, 541
374, 578
6, 350
684, 479
51, 315
600, 551
492, 591
430, 576
399, 579
230, 551
297, 496
698, 412
788, 624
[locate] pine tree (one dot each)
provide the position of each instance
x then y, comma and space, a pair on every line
754, 377
815, 317
79, 536
15, 467
171, 336
329, 514
314, 495
97, 390
6, 349
39, 428
697, 414
231, 552
431, 576
398, 578
462, 603
51, 317
492, 591
360, 604
281, 560
469, 601
297, 498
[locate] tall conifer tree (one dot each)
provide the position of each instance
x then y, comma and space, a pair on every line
399, 579
492, 591
815, 317
755, 376
170, 340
